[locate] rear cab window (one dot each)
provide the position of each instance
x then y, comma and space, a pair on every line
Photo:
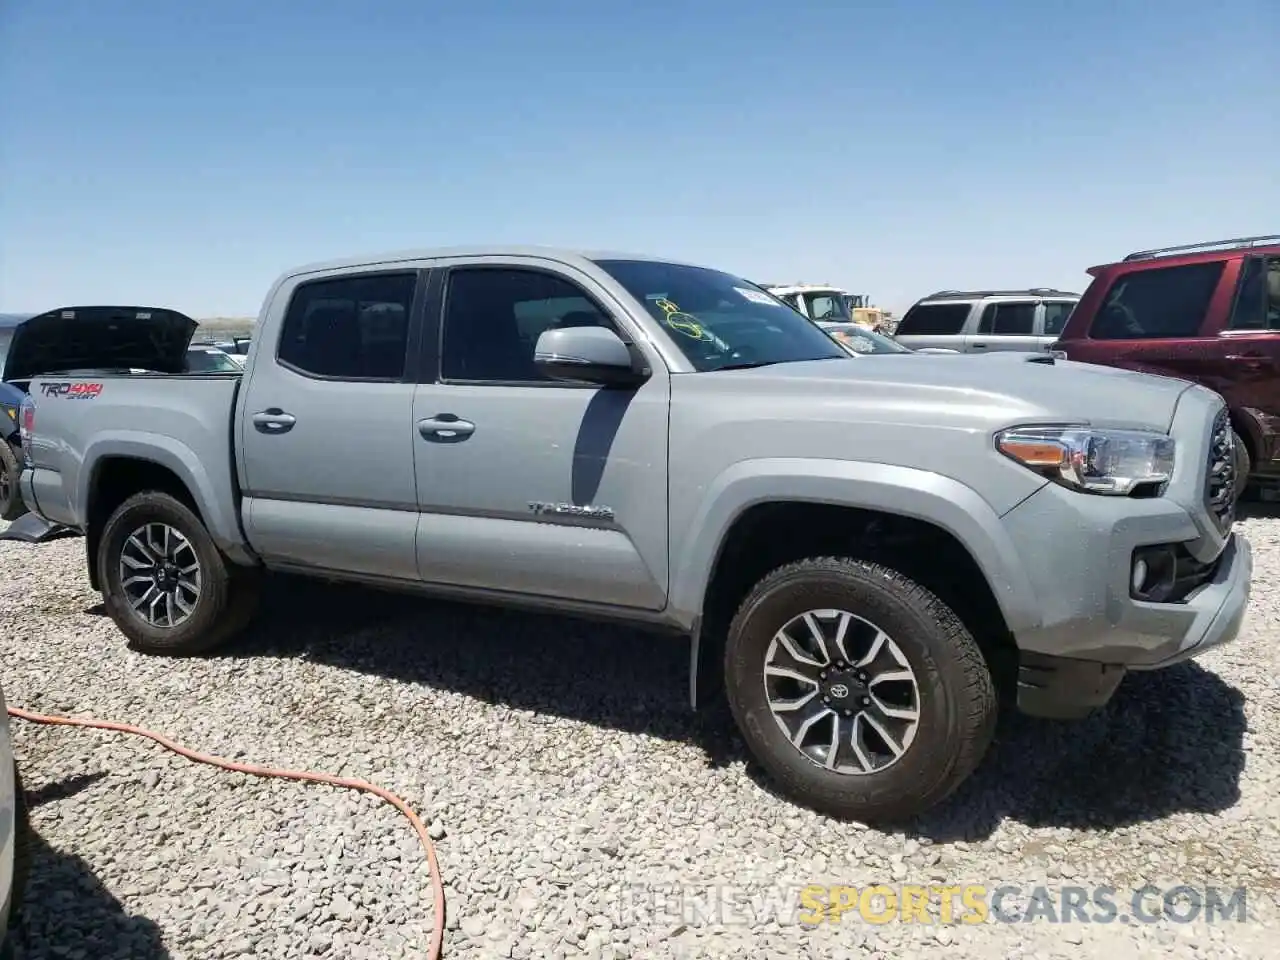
1160, 303
934, 320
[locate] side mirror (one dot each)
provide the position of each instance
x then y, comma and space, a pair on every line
591, 354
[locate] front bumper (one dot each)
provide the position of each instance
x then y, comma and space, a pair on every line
1078, 554
1064, 687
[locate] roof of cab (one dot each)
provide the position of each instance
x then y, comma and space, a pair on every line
566, 255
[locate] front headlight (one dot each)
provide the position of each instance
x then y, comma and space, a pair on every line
1094, 461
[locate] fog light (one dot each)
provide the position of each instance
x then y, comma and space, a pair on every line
1152, 576
1139, 575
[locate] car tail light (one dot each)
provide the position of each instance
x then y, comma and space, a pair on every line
27, 426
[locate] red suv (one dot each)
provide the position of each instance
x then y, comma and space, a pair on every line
1207, 312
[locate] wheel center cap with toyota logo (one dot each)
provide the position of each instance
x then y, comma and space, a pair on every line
844, 689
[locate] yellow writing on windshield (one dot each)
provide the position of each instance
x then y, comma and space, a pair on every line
680, 321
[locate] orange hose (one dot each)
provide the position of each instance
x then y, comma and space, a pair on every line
437, 884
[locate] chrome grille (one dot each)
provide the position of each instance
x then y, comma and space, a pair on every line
1220, 474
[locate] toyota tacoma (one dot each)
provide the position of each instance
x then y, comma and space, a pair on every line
867, 557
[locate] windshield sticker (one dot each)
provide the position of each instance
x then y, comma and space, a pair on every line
681, 322
756, 296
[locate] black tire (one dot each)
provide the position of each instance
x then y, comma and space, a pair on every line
1244, 464
11, 504
957, 699
21, 850
228, 595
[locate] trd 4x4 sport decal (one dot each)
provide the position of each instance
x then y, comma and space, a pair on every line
79, 390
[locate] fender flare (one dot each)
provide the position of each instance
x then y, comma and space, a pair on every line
216, 502
904, 491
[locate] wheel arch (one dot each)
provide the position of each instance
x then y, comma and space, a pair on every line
129, 461
113, 480
828, 507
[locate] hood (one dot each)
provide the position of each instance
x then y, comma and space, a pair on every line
85, 338
1000, 387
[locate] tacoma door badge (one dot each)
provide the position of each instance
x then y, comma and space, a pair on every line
570, 510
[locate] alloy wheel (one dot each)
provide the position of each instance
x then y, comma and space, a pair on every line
160, 575
842, 692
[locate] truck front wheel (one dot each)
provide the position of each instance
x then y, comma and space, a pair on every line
859, 691
165, 584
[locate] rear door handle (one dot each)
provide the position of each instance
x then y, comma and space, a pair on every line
445, 428
1249, 359
274, 420
979, 346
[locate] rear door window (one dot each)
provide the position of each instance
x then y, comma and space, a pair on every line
1009, 319
349, 328
1056, 313
1257, 303
1163, 303
933, 320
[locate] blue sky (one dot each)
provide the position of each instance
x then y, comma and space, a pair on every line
183, 154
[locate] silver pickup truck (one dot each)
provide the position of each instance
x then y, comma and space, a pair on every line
868, 555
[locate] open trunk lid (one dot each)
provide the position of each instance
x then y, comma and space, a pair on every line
90, 338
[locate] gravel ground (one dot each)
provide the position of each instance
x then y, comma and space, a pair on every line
569, 783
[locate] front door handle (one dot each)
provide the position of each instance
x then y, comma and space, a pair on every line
274, 420
445, 428
978, 346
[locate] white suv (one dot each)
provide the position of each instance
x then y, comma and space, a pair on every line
983, 321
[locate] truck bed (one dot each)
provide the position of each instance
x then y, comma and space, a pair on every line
179, 422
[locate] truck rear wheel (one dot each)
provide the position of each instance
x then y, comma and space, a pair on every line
858, 690
165, 583
11, 505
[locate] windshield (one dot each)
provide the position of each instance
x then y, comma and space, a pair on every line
828, 305
5, 337
859, 340
210, 360
720, 321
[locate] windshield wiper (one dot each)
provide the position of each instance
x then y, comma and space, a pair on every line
748, 365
